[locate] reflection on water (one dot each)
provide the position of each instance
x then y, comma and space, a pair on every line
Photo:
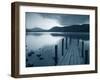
56, 48
35, 42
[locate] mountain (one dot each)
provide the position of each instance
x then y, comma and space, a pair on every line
34, 29
72, 28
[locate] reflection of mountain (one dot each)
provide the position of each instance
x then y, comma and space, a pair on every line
72, 28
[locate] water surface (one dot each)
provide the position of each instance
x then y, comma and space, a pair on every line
41, 48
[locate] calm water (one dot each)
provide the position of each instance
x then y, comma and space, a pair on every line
41, 50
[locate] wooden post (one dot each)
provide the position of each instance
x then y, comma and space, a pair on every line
86, 57
82, 48
56, 54
78, 42
70, 40
62, 47
66, 43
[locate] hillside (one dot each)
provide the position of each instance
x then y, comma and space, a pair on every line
72, 28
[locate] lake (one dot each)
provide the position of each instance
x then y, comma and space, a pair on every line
56, 48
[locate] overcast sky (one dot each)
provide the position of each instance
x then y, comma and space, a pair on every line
48, 20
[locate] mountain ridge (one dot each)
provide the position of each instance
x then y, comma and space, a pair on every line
72, 28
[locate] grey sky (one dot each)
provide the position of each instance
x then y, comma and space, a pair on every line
48, 20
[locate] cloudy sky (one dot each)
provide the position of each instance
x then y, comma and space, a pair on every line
48, 20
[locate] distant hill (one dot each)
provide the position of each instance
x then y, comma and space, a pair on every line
34, 30
72, 28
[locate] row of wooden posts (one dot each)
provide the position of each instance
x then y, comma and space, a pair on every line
62, 50
85, 54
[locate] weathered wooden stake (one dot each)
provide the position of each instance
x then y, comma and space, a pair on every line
66, 43
56, 54
62, 47
86, 57
82, 48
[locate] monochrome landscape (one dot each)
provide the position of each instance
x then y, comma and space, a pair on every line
54, 39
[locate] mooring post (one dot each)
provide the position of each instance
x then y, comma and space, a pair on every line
62, 46
86, 57
70, 41
78, 42
66, 43
56, 54
82, 48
